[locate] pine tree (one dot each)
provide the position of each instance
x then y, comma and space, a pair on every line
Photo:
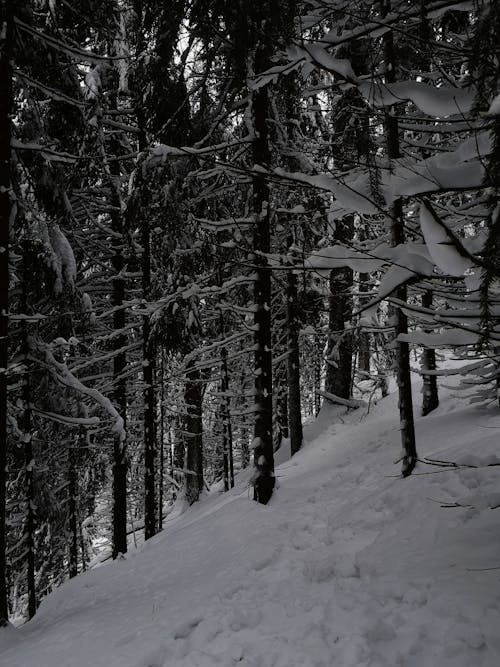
6, 211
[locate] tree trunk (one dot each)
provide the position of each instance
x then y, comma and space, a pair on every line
430, 398
338, 379
281, 389
73, 514
148, 352
149, 393
27, 438
263, 428
364, 352
318, 356
227, 430
397, 238
194, 435
161, 472
119, 366
6, 207
293, 368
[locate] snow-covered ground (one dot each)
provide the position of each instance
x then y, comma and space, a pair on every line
348, 566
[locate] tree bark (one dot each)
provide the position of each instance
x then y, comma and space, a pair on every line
6, 208
397, 238
338, 378
161, 472
149, 393
339, 353
27, 438
227, 429
72, 511
119, 366
263, 428
193, 434
293, 368
430, 398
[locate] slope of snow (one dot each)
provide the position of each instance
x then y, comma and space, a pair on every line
349, 565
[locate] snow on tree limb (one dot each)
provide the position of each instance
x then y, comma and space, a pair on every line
67, 378
443, 252
64, 419
436, 102
348, 402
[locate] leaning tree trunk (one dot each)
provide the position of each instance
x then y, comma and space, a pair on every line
398, 238
6, 209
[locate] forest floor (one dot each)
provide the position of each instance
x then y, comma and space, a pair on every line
348, 566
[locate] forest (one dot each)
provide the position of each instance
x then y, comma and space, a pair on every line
216, 218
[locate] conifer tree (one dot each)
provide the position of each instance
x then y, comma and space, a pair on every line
6, 212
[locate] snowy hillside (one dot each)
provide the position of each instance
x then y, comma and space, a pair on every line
348, 566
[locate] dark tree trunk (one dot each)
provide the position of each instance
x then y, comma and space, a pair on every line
161, 472
430, 398
281, 412
149, 394
119, 366
245, 449
83, 549
27, 430
194, 434
318, 356
73, 513
6, 37
29, 525
364, 352
338, 379
263, 429
397, 238
148, 352
294, 399
227, 429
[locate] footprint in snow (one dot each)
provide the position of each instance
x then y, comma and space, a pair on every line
155, 658
327, 568
268, 557
242, 619
415, 597
184, 630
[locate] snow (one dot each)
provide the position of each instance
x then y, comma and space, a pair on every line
442, 251
352, 195
349, 564
437, 102
63, 260
406, 260
461, 168
451, 337
494, 109
92, 83
320, 56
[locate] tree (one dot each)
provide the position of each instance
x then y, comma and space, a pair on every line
397, 238
6, 212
